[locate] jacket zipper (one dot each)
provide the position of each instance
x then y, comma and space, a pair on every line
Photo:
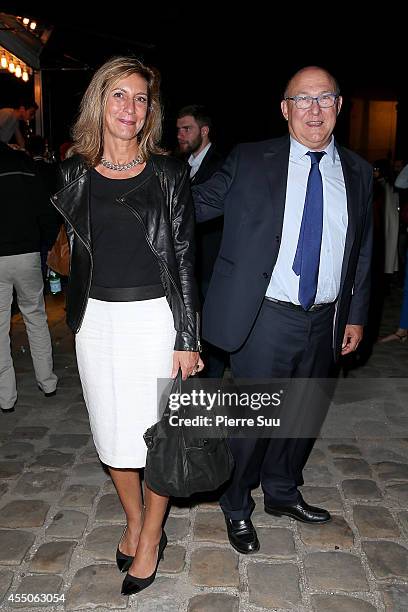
198, 332
155, 253
90, 255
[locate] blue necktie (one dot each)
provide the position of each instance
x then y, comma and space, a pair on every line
307, 258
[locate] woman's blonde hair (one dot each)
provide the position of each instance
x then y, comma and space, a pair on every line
87, 131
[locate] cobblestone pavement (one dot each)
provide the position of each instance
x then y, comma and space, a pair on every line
60, 519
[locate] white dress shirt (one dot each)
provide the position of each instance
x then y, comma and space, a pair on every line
195, 162
284, 284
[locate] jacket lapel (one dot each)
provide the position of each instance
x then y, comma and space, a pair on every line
200, 172
352, 185
276, 160
73, 202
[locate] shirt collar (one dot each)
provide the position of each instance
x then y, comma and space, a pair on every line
196, 161
299, 151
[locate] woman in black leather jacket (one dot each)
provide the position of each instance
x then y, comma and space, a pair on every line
131, 298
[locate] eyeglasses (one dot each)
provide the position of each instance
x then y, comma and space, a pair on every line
305, 102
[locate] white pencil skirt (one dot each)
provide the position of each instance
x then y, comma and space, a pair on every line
122, 349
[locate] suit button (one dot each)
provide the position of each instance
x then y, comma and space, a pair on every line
265, 274
277, 238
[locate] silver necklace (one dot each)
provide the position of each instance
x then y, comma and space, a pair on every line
120, 167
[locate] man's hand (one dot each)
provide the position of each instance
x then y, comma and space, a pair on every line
353, 334
190, 363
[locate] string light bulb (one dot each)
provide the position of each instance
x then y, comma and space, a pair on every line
26, 21
14, 65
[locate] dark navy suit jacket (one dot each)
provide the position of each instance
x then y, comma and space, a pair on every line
208, 235
250, 191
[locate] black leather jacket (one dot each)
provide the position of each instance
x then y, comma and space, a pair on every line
162, 205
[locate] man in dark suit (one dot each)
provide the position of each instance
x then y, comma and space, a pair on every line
194, 128
290, 288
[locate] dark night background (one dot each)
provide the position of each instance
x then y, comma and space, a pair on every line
236, 65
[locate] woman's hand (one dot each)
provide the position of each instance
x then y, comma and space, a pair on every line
190, 363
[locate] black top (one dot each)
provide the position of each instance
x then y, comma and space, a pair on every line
122, 256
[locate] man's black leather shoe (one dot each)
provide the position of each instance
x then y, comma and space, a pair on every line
242, 536
301, 511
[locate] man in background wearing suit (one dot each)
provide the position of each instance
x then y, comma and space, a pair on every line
194, 131
290, 288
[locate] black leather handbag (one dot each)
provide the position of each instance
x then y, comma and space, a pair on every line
179, 464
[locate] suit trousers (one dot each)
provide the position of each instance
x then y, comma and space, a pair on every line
24, 273
283, 343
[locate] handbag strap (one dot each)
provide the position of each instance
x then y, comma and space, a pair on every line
175, 388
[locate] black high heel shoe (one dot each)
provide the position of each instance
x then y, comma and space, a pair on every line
133, 584
123, 561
